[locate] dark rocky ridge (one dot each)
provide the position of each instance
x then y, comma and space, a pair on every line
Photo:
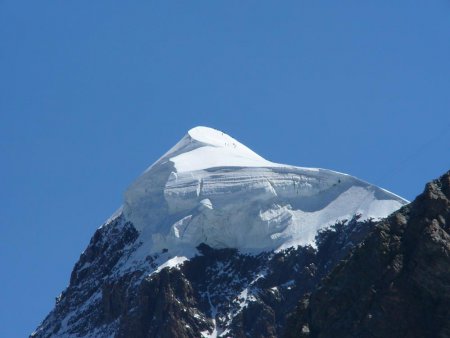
395, 284
243, 295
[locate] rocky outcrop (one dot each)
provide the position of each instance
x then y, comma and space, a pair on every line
218, 291
396, 283
233, 294
167, 307
84, 305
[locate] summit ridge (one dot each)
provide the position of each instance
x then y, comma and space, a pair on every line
204, 147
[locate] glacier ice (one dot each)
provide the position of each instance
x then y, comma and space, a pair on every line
209, 188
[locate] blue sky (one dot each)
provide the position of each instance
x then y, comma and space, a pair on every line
91, 93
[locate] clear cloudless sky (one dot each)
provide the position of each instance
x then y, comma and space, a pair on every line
92, 92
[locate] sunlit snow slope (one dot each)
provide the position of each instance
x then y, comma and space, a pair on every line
210, 188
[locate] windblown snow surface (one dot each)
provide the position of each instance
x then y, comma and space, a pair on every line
209, 188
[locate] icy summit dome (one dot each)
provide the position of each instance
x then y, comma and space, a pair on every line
209, 188
216, 138
204, 147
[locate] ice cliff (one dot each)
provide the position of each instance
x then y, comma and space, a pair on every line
209, 188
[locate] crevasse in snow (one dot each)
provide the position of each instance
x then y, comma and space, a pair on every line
210, 188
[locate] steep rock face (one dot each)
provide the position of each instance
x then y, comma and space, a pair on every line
395, 284
219, 292
86, 305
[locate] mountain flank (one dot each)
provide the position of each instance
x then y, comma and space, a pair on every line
396, 283
213, 240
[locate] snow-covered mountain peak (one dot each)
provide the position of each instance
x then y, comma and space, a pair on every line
212, 137
204, 147
209, 188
